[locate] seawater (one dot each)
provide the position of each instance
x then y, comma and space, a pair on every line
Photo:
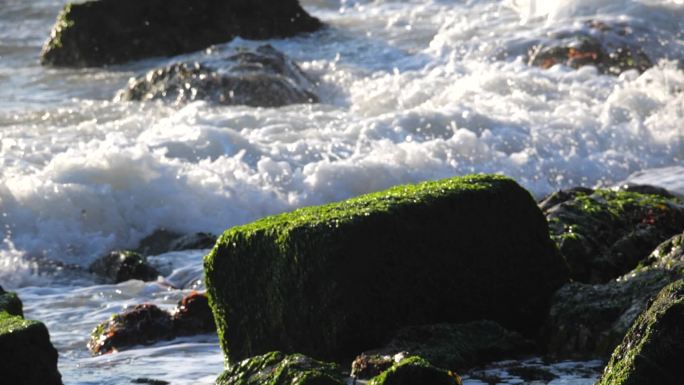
410, 90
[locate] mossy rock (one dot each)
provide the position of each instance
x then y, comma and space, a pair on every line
277, 368
415, 371
96, 33
606, 233
334, 280
10, 303
27, 356
653, 349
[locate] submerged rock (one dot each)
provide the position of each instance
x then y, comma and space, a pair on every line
608, 47
415, 371
652, 350
332, 280
123, 265
279, 368
26, 353
457, 346
261, 78
95, 33
163, 241
605, 234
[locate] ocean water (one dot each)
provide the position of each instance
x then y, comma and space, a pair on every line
410, 90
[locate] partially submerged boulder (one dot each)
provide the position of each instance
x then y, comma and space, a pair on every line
652, 350
102, 32
457, 346
26, 353
606, 233
264, 77
333, 280
415, 371
279, 368
163, 241
123, 265
193, 315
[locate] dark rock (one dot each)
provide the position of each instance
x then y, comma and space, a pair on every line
561, 196
646, 189
103, 32
281, 369
590, 320
193, 315
333, 280
415, 371
531, 373
149, 381
141, 325
260, 78
367, 366
163, 241
121, 266
458, 346
193, 242
608, 47
10, 303
652, 350
606, 234
26, 353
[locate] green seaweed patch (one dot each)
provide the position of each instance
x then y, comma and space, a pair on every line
10, 303
415, 370
12, 324
64, 23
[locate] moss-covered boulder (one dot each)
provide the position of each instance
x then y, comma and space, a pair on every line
26, 353
334, 280
457, 346
95, 33
604, 234
415, 371
277, 368
653, 349
123, 265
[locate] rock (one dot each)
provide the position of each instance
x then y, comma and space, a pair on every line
366, 366
458, 346
333, 280
142, 325
281, 369
26, 353
261, 78
10, 303
96, 33
608, 47
561, 196
121, 266
163, 241
193, 315
415, 371
652, 350
590, 320
605, 234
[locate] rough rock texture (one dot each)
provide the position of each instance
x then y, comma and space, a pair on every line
264, 77
121, 266
415, 371
653, 349
276, 368
590, 320
605, 234
193, 315
366, 366
102, 32
608, 47
458, 346
163, 241
26, 353
334, 280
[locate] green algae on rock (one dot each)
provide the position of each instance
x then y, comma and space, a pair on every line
334, 280
277, 368
10, 303
415, 371
102, 32
605, 234
652, 350
26, 353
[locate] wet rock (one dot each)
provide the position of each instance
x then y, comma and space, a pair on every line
607, 46
279, 368
367, 366
149, 381
141, 325
605, 234
193, 315
163, 241
261, 78
121, 266
332, 280
26, 353
96, 33
590, 320
561, 196
415, 371
458, 346
652, 350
